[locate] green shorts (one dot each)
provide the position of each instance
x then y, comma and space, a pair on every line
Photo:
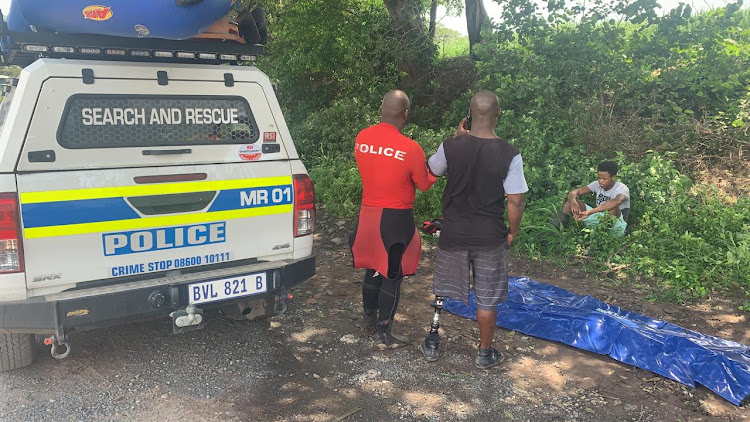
619, 227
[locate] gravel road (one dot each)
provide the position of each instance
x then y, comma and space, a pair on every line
311, 364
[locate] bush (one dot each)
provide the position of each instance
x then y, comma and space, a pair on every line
323, 50
656, 94
685, 237
337, 186
330, 132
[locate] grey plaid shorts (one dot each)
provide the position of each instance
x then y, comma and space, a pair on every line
453, 275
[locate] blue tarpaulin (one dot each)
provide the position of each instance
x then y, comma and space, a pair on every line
541, 310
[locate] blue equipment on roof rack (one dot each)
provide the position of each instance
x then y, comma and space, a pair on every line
173, 31
168, 19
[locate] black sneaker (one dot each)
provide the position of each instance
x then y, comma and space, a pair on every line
388, 341
488, 359
429, 353
369, 323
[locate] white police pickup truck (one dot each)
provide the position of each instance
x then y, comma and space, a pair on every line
141, 180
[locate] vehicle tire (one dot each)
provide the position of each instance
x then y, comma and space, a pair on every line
16, 351
260, 21
248, 27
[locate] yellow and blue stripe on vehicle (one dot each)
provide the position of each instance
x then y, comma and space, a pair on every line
96, 210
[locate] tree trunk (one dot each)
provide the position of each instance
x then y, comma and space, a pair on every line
433, 19
415, 48
476, 17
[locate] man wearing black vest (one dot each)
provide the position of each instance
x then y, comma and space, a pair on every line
482, 170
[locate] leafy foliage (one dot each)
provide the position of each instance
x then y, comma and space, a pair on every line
577, 87
678, 233
450, 43
322, 50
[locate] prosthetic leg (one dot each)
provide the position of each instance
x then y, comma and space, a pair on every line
429, 346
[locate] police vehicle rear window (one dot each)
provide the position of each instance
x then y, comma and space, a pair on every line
119, 121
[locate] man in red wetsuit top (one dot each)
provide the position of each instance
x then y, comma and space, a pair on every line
385, 241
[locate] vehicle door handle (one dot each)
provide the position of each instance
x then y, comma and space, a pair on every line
167, 151
172, 203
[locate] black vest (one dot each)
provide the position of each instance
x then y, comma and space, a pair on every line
474, 197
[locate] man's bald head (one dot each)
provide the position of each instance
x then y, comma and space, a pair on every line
485, 110
395, 107
484, 104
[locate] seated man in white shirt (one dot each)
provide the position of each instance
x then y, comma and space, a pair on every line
612, 197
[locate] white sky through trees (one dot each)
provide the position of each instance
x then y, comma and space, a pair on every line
458, 23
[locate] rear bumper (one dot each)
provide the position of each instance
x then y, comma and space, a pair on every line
85, 309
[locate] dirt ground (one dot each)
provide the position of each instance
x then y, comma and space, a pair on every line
312, 364
540, 380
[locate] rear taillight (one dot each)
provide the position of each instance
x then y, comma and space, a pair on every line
11, 258
304, 205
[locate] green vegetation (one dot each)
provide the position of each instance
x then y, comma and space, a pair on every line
451, 43
665, 97
12, 71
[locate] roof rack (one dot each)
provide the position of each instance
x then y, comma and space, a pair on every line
23, 48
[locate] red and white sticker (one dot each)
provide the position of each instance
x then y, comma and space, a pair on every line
250, 152
269, 136
97, 13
